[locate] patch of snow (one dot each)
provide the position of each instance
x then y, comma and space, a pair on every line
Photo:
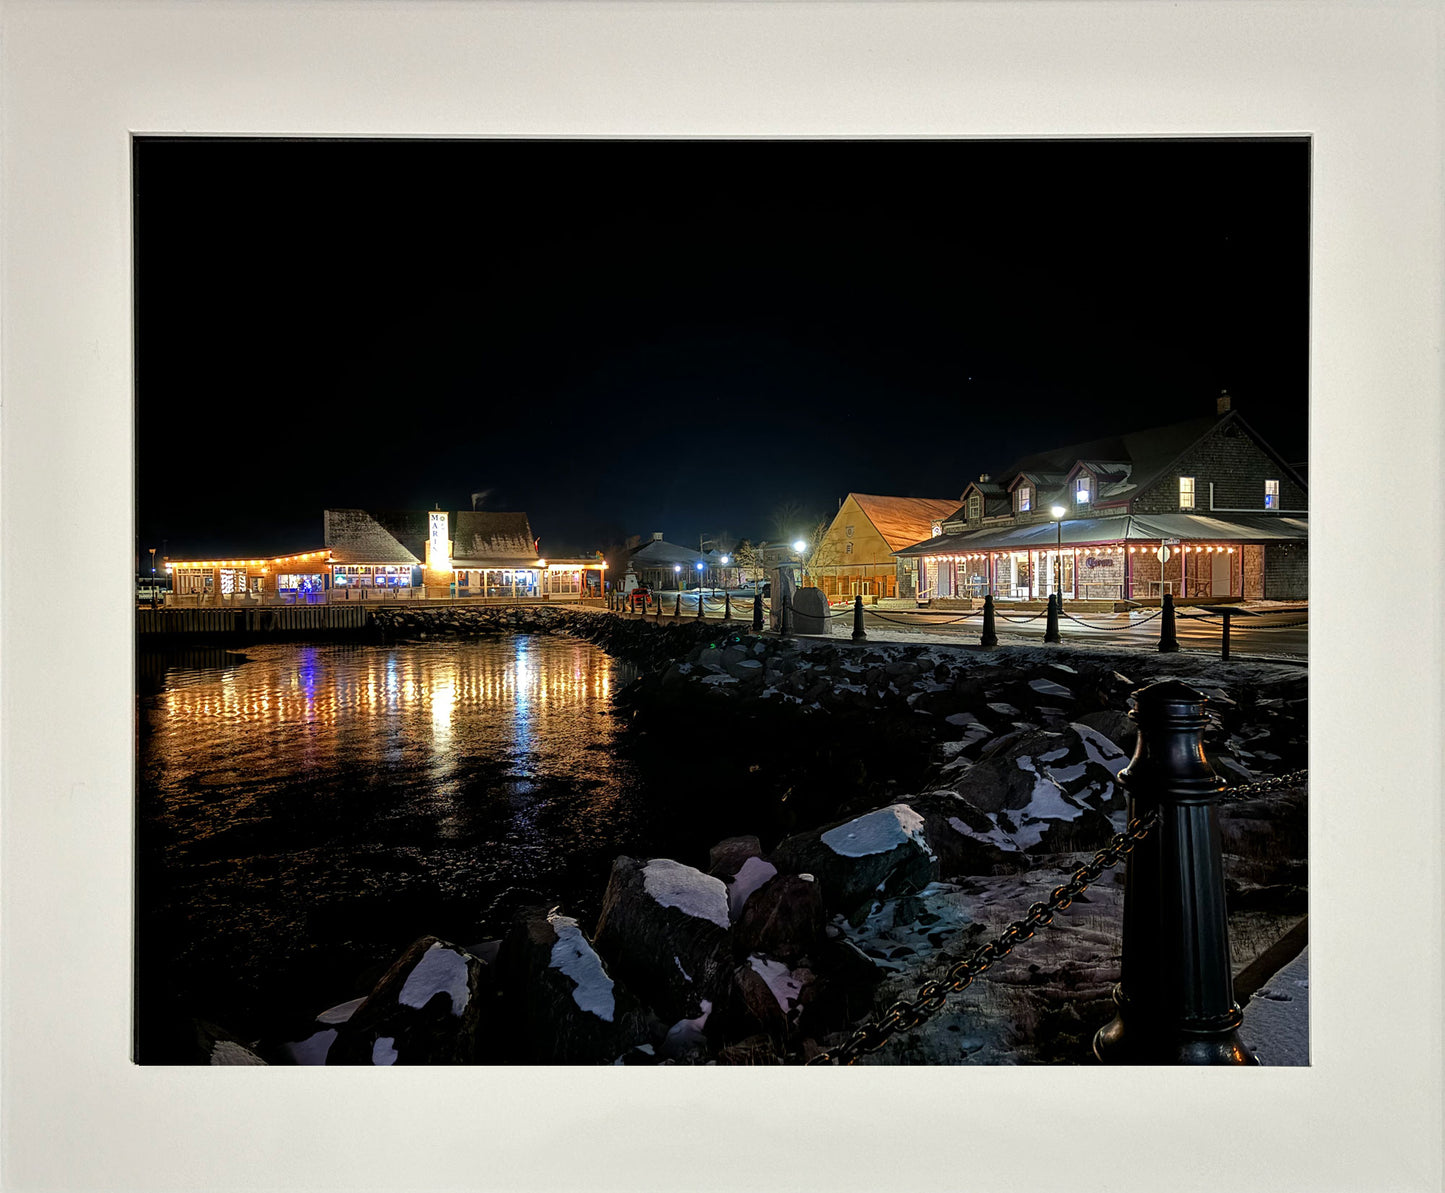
686, 1031
341, 1012
440, 970
1004, 710
876, 832
1052, 755
779, 978
383, 1052
313, 1049
1047, 687
1067, 774
995, 835
1046, 803
751, 875
1100, 749
575, 957
691, 891
1063, 667
228, 1052
718, 679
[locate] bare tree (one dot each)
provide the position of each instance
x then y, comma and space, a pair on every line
750, 560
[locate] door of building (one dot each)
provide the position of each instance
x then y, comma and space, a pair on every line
1219, 578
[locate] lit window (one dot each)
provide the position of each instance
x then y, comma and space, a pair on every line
1271, 495
1186, 492
1026, 499
848, 531
1081, 491
847, 548
937, 529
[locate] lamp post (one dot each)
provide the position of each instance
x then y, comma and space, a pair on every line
153, 577
724, 561
1059, 511
700, 568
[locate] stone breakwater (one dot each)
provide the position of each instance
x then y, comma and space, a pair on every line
767, 951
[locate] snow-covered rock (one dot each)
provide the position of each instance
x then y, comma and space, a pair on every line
664, 930
562, 1005
874, 854
428, 1008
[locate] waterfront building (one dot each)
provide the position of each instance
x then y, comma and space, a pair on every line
396, 555
855, 556
1203, 509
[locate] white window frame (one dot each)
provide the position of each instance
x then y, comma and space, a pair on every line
975, 507
1083, 490
1271, 494
847, 548
1193, 494
1026, 499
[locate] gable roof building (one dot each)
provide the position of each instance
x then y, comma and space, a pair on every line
856, 553
1201, 509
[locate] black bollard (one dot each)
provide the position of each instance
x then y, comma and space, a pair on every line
785, 617
1051, 626
677, 608
699, 600
758, 612
1176, 996
858, 634
990, 635
727, 606
1167, 640
1224, 634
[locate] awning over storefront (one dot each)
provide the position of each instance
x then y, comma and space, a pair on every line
1128, 528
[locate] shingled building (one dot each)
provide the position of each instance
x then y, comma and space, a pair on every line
1203, 509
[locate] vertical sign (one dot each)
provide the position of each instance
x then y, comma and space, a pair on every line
439, 544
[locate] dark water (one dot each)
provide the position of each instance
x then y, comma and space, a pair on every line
308, 812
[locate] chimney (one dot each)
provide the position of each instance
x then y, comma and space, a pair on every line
657, 536
1221, 403
984, 478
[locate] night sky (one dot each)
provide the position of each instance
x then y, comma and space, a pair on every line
686, 337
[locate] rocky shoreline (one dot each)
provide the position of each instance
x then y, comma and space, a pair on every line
776, 944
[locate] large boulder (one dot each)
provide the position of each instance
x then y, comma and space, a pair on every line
726, 857
965, 839
562, 1005
784, 918
428, 1009
769, 993
664, 931
1049, 790
879, 853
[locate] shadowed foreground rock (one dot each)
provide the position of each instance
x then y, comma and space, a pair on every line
881, 852
664, 929
561, 1005
428, 1010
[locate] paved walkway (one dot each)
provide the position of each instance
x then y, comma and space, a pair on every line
1277, 1018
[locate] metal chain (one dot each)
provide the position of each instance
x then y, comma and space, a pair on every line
930, 997
1247, 791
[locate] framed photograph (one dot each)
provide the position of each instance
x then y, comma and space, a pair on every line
84, 83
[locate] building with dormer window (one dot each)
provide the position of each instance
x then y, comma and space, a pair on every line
1203, 510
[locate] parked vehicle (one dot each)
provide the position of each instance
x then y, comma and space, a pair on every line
639, 597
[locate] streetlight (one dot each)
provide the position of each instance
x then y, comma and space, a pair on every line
1059, 511
725, 575
700, 567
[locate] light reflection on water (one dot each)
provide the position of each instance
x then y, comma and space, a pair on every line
366, 795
